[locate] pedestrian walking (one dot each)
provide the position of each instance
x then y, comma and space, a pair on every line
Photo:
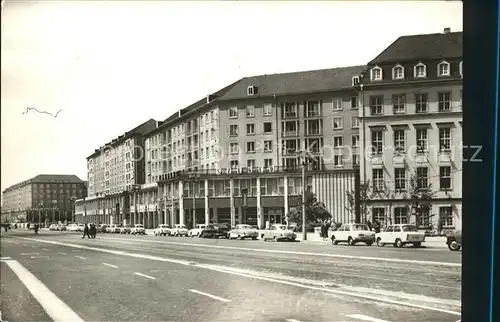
93, 230
36, 229
86, 231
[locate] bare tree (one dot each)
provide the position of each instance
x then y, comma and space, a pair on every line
365, 197
420, 195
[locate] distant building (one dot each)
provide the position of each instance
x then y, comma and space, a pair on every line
46, 197
411, 128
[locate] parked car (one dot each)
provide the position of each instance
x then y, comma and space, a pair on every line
73, 227
214, 231
125, 229
113, 228
102, 228
162, 230
138, 229
242, 232
454, 240
81, 227
352, 234
53, 227
179, 230
195, 232
400, 235
278, 232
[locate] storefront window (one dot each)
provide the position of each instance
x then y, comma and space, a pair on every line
281, 186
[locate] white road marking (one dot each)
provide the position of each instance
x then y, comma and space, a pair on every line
62, 253
365, 318
4, 258
110, 265
45, 249
43, 256
226, 271
211, 296
29, 254
144, 275
394, 260
55, 308
81, 257
292, 320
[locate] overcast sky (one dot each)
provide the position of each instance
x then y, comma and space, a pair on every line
112, 65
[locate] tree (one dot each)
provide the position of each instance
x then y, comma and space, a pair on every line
365, 196
315, 211
420, 195
388, 195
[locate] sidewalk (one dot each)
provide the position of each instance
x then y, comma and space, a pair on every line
430, 242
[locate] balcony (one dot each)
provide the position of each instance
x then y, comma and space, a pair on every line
290, 115
287, 134
314, 132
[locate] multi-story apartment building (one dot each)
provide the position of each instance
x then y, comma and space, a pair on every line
236, 155
113, 170
44, 198
412, 130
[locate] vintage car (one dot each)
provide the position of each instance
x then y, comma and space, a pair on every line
352, 234
81, 227
113, 228
53, 227
400, 235
62, 227
454, 240
179, 230
102, 228
277, 232
242, 232
138, 229
162, 230
125, 229
214, 231
73, 227
197, 230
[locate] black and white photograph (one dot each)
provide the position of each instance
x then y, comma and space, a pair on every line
293, 161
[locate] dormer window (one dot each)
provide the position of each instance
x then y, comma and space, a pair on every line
355, 81
376, 73
420, 70
460, 67
251, 90
398, 72
444, 69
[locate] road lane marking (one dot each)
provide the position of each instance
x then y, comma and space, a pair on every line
4, 258
144, 275
110, 265
292, 320
81, 257
54, 306
210, 295
29, 254
226, 271
43, 256
45, 249
62, 253
365, 318
394, 260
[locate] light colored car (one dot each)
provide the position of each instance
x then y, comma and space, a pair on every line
53, 227
81, 227
197, 230
62, 227
138, 229
73, 227
400, 235
102, 228
352, 234
162, 230
113, 228
242, 232
179, 230
125, 229
278, 232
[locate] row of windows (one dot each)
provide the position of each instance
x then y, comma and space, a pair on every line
401, 182
419, 71
421, 103
401, 216
399, 140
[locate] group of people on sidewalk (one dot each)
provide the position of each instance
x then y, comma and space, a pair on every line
90, 230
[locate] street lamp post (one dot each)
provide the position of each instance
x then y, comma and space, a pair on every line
304, 223
194, 177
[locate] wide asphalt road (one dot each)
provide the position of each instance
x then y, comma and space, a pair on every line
147, 278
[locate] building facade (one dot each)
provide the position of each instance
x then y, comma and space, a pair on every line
44, 198
237, 155
412, 131
112, 171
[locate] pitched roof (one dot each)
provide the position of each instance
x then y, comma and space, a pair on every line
191, 108
295, 83
422, 47
67, 178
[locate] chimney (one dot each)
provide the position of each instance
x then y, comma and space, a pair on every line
179, 114
446, 31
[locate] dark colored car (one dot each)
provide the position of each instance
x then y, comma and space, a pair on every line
214, 231
454, 240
